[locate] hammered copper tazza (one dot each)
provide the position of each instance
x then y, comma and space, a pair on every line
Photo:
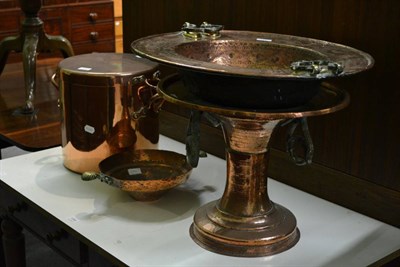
249, 82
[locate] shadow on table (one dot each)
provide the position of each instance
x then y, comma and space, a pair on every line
177, 204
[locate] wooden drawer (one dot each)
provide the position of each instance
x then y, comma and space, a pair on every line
7, 3
10, 21
32, 219
91, 13
106, 46
57, 2
87, 24
55, 21
92, 33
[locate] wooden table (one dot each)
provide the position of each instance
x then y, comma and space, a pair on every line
29, 132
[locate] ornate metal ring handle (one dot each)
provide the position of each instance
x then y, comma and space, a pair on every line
317, 68
205, 30
305, 141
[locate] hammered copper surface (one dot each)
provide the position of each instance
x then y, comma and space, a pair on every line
244, 221
245, 53
254, 55
146, 174
277, 71
97, 97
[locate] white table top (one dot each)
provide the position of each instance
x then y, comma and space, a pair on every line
157, 233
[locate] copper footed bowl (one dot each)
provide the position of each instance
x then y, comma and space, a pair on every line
145, 174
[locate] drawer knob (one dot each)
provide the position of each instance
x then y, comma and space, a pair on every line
94, 36
57, 235
93, 16
17, 207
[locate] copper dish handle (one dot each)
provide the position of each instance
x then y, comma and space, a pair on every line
89, 176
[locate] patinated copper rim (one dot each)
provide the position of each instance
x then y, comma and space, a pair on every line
172, 90
162, 48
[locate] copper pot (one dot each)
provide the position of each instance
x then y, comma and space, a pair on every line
99, 93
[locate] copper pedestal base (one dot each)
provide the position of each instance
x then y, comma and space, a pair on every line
244, 221
277, 233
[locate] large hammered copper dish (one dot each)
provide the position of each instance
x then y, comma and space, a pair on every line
146, 174
253, 69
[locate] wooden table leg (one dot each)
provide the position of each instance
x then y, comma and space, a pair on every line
2, 260
32, 40
13, 243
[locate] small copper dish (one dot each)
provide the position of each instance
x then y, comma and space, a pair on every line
145, 174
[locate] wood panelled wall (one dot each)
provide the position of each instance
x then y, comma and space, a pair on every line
357, 150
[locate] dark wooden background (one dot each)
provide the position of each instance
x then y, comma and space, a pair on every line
357, 151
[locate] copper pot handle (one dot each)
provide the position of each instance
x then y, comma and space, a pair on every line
155, 102
53, 80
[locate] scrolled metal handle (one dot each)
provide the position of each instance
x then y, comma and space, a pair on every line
155, 104
294, 140
192, 141
148, 95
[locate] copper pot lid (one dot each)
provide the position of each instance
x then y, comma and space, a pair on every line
254, 54
106, 64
